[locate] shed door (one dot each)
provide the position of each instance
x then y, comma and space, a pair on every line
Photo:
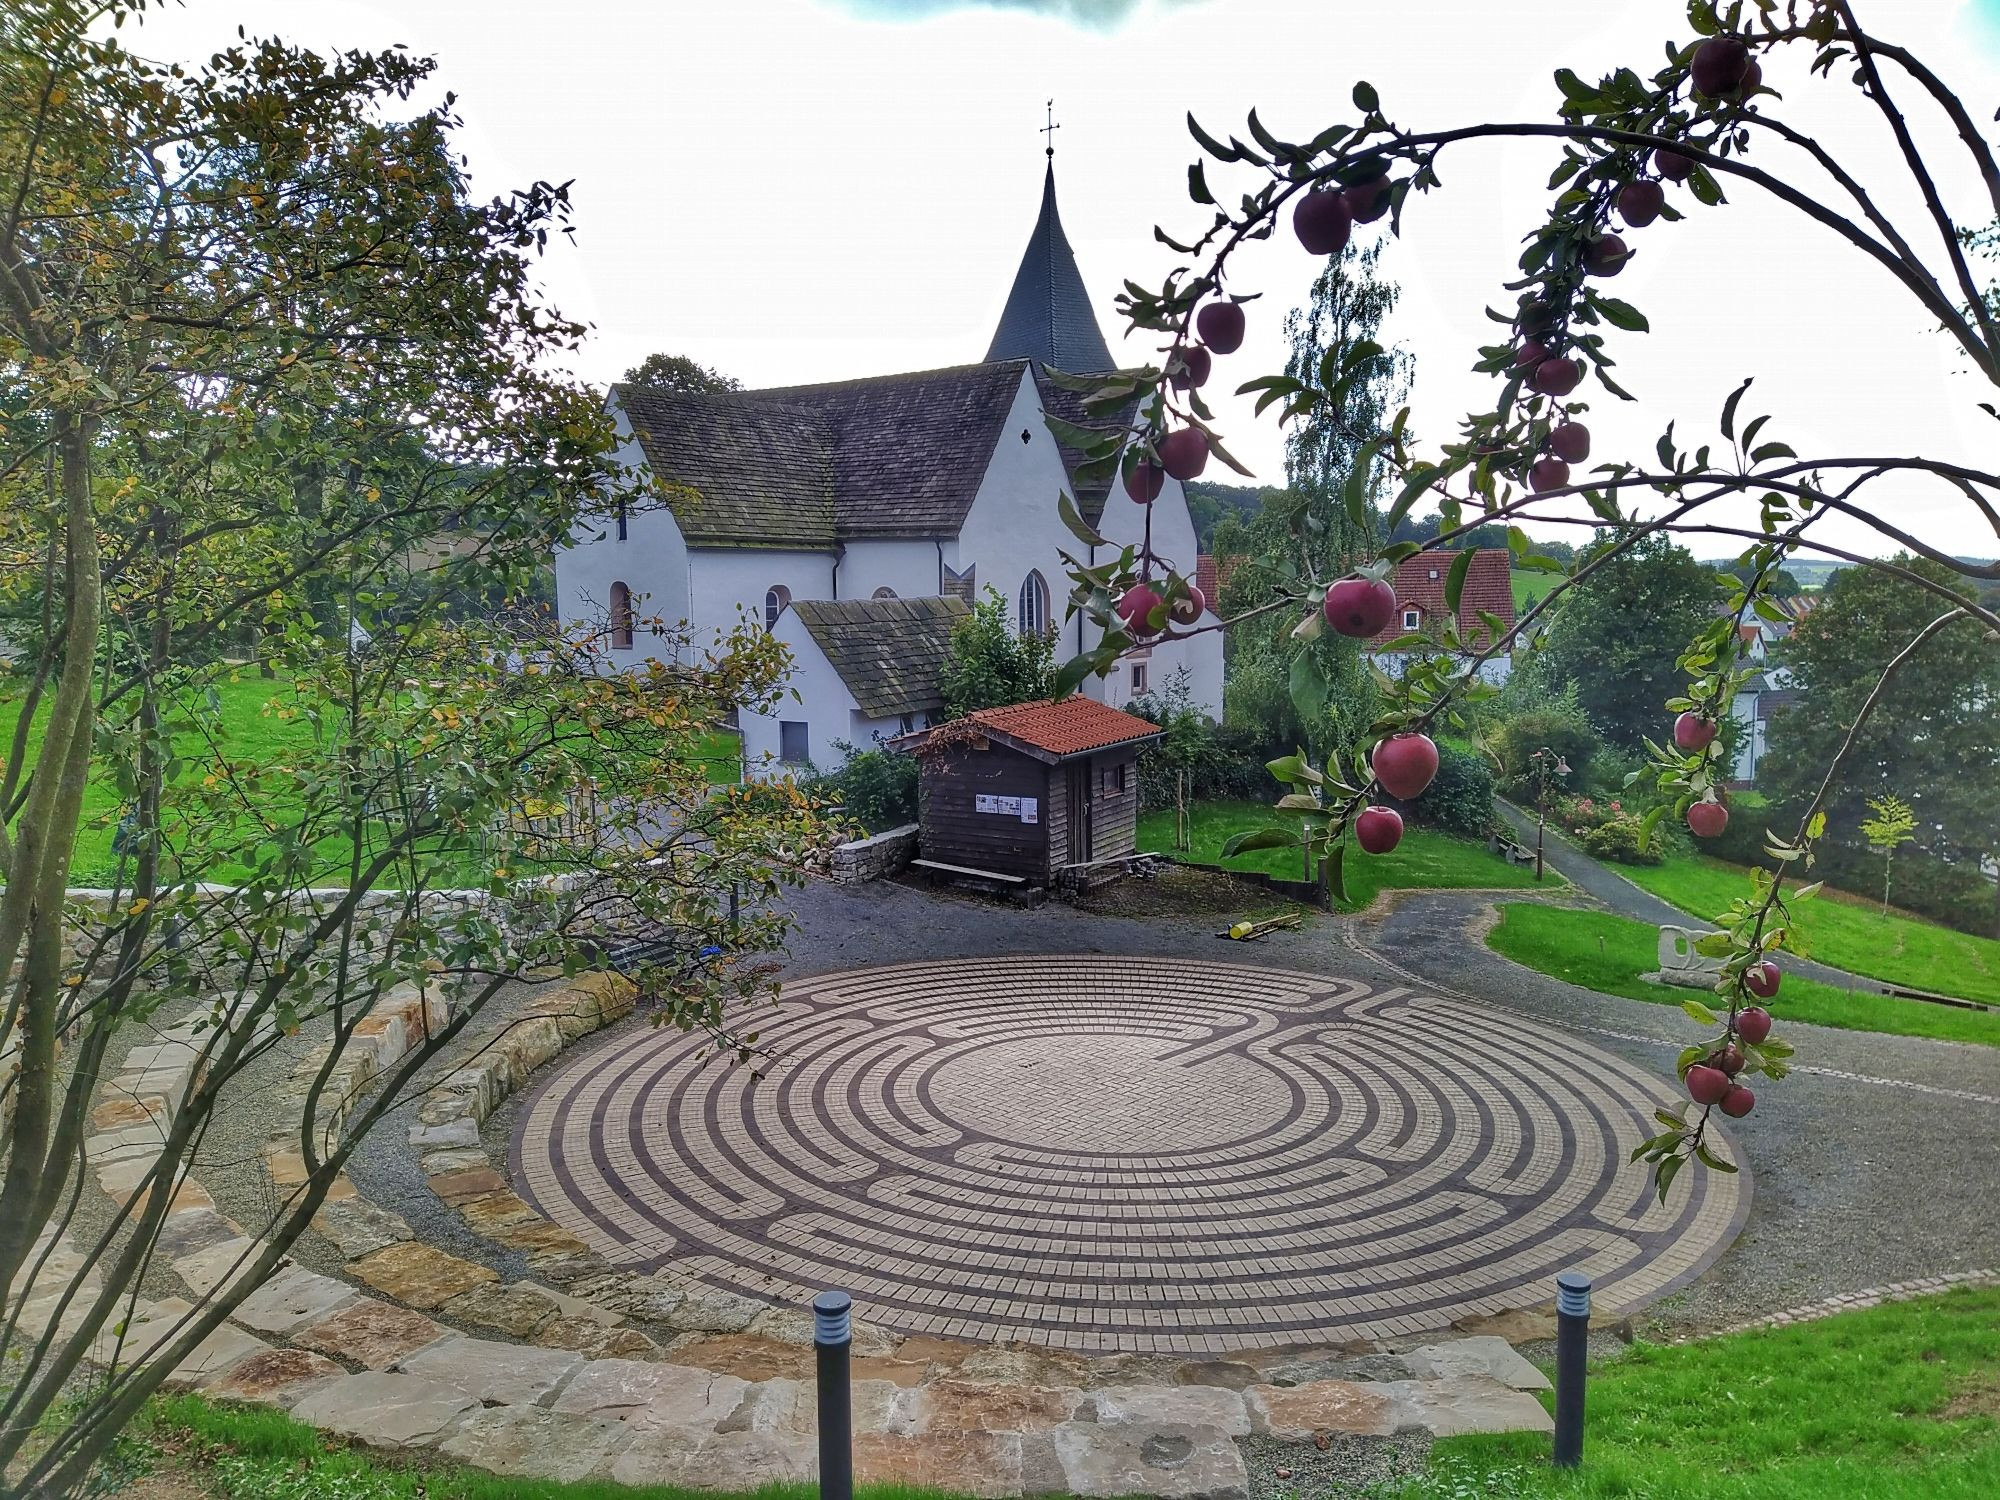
1077, 794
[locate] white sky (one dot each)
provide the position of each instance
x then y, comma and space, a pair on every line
799, 190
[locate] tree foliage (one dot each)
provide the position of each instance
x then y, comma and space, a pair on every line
991, 664
260, 347
681, 375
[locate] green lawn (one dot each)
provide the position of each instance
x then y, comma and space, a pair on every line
1846, 931
1424, 860
1530, 586
1894, 1403
261, 721
1608, 953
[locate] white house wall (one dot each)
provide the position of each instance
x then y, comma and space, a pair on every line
1123, 524
822, 701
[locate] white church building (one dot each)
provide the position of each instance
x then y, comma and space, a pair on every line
858, 520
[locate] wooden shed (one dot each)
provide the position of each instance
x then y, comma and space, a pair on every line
1045, 792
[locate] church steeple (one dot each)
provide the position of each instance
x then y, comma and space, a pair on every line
1048, 315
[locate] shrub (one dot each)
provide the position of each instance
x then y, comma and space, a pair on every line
1617, 839
878, 788
1460, 799
1559, 729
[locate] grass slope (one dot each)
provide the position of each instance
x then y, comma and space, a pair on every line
1608, 953
1425, 860
1531, 586
261, 722
1894, 1403
1846, 931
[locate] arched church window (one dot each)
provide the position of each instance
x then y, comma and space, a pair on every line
884, 592
777, 599
621, 617
1034, 611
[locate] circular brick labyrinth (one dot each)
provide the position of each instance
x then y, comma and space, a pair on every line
1107, 1154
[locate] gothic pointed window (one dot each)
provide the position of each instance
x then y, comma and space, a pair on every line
777, 599
621, 617
1034, 611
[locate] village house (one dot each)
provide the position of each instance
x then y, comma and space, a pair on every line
886, 490
1420, 606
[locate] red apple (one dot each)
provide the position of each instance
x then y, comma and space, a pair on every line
1761, 979
1221, 326
1360, 607
1706, 1085
1639, 203
1186, 608
1184, 452
1136, 606
1547, 474
1534, 316
1405, 764
1753, 79
1720, 64
1692, 732
1368, 201
1378, 829
1753, 1024
1530, 354
1606, 255
1557, 377
1707, 819
1570, 442
1729, 1059
1322, 221
1195, 365
1672, 165
1145, 481
1738, 1102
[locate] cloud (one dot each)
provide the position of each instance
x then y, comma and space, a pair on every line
1093, 15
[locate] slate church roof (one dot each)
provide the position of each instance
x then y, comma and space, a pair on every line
1048, 316
889, 652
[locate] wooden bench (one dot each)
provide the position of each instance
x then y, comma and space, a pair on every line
1511, 850
966, 872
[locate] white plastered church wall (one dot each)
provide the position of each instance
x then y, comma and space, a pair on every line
813, 694
1012, 528
652, 561
907, 568
730, 584
1122, 524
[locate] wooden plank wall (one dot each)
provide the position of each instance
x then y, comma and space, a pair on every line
1115, 828
956, 834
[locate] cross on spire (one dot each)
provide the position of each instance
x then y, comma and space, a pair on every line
1049, 131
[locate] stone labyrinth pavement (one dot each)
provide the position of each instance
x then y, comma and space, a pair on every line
1101, 1153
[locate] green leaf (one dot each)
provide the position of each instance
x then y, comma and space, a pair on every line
1198, 184
1072, 673
1454, 583
1621, 314
1307, 686
1209, 143
1335, 872
1365, 97
1773, 450
1713, 945
1073, 519
1699, 1012
1300, 802
1710, 1159
1355, 492
1259, 838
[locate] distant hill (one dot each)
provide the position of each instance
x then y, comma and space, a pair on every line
1208, 503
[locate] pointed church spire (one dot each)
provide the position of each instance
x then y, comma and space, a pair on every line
1048, 315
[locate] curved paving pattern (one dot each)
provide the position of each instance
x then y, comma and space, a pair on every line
1093, 1153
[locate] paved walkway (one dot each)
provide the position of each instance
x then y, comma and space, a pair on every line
1089, 1153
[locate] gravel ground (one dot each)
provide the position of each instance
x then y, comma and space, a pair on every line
1346, 1469
1878, 1176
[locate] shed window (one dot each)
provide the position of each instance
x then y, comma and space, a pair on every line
777, 599
621, 617
1034, 612
793, 748
1114, 779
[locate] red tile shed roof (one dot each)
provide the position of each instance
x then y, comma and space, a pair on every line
1072, 726
1489, 586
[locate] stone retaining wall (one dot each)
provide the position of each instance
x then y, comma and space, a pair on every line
876, 857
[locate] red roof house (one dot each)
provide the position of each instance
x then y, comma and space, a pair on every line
1420, 580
